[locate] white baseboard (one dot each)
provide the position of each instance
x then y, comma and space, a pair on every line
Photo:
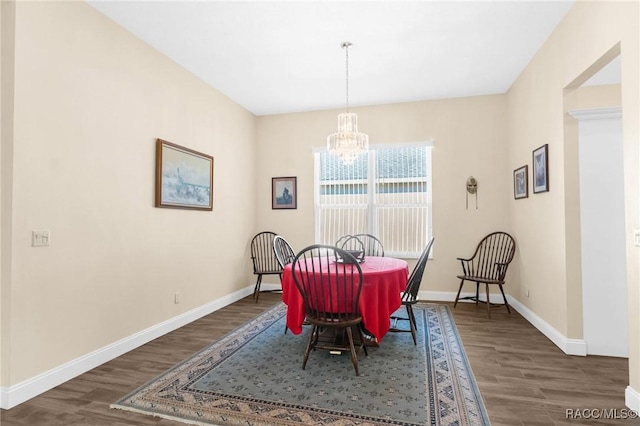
568, 346
21, 392
632, 399
450, 296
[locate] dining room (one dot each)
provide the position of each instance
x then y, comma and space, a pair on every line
84, 102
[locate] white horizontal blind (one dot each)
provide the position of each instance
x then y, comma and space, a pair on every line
386, 192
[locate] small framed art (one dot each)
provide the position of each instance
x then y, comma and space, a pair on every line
284, 193
184, 177
541, 169
521, 182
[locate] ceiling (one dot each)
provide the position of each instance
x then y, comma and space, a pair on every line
279, 57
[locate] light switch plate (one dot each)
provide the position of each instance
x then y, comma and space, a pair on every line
40, 238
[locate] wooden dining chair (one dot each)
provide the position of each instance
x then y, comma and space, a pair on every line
330, 291
283, 251
410, 297
488, 266
264, 259
285, 255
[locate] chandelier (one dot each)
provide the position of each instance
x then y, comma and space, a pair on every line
347, 143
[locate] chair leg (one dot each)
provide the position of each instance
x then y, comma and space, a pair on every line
307, 351
364, 347
412, 323
256, 289
354, 357
458, 295
488, 301
505, 298
477, 293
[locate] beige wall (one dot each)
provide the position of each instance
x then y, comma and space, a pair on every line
90, 101
78, 159
469, 136
546, 223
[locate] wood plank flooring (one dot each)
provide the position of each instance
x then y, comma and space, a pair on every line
523, 377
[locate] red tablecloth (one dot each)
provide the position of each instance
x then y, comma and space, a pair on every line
383, 279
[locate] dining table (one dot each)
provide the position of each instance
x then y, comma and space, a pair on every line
383, 279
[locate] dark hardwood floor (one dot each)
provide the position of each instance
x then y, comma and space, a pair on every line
523, 377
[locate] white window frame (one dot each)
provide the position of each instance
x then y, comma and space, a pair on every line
372, 208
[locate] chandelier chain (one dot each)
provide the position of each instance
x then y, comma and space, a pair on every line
346, 48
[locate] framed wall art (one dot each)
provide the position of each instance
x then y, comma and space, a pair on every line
284, 193
521, 182
541, 169
184, 177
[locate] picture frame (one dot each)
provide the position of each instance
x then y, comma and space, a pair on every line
541, 169
184, 177
521, 182
284, 193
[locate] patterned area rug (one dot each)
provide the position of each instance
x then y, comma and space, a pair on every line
253, 376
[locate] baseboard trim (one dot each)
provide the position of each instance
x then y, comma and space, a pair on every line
449, 296
632, 399
568, 346
21, 392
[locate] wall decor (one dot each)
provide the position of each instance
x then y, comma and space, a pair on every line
521, 182
184, 177
284, 193
472, 188
541, 169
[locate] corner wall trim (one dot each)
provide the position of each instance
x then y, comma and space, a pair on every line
632, 399
21, 392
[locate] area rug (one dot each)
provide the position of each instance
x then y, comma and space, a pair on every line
253, 376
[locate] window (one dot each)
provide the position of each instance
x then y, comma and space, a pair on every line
385, 192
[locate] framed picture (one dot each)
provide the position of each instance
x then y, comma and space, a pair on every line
184, 177
521, 182
284, 193
541, 169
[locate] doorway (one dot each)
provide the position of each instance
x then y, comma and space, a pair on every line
602, 224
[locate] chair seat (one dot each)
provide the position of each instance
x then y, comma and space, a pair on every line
268, 272
479, 279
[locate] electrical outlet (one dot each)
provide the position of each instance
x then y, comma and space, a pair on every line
40, 238
176, 298
636, 237
527, 293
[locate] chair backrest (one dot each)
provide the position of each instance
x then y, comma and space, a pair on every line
413, 284
372, 245
330, 289
283, 250
492, 256
262, 255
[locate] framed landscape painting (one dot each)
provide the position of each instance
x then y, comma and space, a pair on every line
521, 182
284, 193
184, 177
541, 169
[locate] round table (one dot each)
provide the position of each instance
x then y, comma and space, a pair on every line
383, 278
